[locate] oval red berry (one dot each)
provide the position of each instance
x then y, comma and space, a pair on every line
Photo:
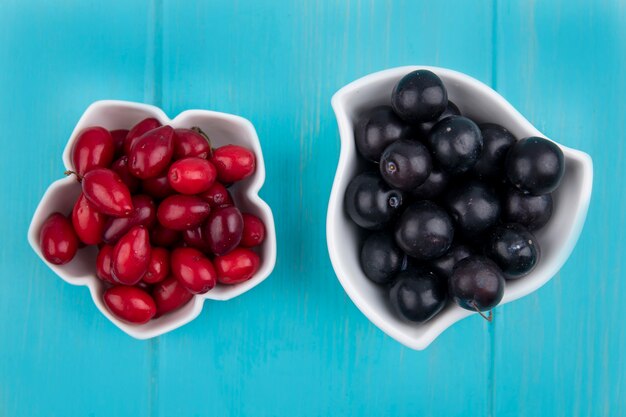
188, 142
193, 270
159, 266
130, 304
106, 191
131, 256
57, 239
88, 222
237, 266
180, 212
253, 231
191, 175
233, 163
170, 295
94, 148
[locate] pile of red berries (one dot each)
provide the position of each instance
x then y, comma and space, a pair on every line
155, 201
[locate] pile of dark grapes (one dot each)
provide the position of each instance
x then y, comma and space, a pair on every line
451, 205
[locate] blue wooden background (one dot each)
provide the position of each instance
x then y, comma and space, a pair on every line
296, 345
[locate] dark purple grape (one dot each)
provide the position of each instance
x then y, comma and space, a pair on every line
419, 97
376, 130
477, 283
496, 143
474, 206
514, 249
381, 258
423, 129
456, 144
223, 230
526, 209
535, 165
434, 185
444, 265
370, 202
424, 230
405, 164
417, 295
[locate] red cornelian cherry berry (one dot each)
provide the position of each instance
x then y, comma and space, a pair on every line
104, 263
237, 266
194, 238
130, 304
233, 163
193, 270
217, 196
120, 167
180, 212
190, 142
58, 240
131, 256
191, 175
119, 138
170, 295
88, 223
162, 236
159, 266
106, 191
144, 214
138, 130
223, 230
94, 148
151, 153
253, 231
158, 187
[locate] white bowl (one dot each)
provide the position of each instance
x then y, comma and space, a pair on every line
222, 129
481, 103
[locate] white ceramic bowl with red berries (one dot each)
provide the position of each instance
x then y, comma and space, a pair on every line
482, 104
221, 129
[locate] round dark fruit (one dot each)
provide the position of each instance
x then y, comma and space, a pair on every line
419, 97
381, 258
456, 144
424, 128
424, 230
477, 283
376, 130
370, 202
535, 165
532, 211
514, 249
474, 206
444, 265
496, 143
433, 186
405, 164
417, 295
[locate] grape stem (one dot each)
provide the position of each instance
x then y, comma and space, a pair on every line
70, 172
489, 318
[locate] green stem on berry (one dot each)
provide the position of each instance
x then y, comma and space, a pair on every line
70, 172
489, 318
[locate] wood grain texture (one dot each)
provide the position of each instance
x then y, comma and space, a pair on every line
296, 345
561, 350
58, 355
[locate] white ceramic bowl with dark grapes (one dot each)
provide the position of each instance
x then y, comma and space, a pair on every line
553, 241
222, 129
